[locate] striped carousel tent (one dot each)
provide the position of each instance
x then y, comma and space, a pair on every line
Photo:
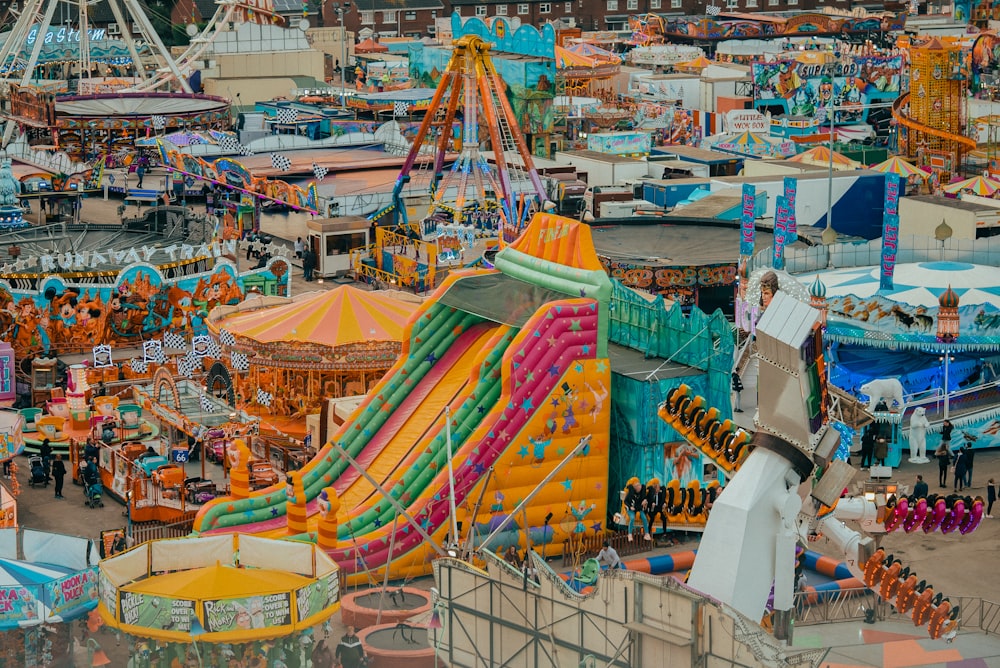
896, 165
287, 355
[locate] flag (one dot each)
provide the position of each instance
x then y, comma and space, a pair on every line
159, 122
319, 172
400, 108
239, 361
712, 10
229, 144
280, 162
780, 231
890, 230
287, 115
174, 340
791, 188
747, 219
138, 366
245, 150
207, 405
264, 398
226, 337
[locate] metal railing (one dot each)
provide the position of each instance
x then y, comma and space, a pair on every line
852, 604
145, 531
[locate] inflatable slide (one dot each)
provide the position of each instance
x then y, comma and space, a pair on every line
518, 354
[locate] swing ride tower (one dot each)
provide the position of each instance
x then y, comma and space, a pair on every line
496, 198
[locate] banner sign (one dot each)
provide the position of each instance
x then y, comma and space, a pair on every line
256, 612
892, 187
71, 591
317, 596
890, 237
747, 120
792, 233
890, 230
17, 604
156, 612
780, 231
747, 219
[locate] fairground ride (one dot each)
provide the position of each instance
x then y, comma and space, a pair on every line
497, 199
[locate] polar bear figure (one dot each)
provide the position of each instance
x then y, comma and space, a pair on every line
888, 389
918, 435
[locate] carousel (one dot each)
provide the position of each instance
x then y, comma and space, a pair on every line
287, 355
230, 600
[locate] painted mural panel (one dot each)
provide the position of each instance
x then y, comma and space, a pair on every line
66, 316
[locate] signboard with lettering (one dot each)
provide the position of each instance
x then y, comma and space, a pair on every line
791, 188
780, 231
890, 230
156, 612
747, 219
255, 612
317, 596
17, 604
747, 120
72, 591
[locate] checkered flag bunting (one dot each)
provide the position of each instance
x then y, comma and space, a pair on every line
159, 122
281, 162
214, 350
174, 340
319, 172
400, 108
239, 361
264, 398
226, 338
229, 144
245, 151
287, 115
207, 405
187, 365
138, 366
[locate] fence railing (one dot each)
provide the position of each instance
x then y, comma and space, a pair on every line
144, 531
853, 604
578, 549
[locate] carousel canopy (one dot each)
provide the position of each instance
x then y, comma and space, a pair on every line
978, 185
820, 155
896, 165
334, 318
918, 284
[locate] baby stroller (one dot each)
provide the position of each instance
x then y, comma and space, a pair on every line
39, 476
94, 491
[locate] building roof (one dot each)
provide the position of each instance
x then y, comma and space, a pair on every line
597, 155
399, 5
699, 154
951, 203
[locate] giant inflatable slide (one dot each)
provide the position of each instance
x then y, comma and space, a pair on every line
518, 356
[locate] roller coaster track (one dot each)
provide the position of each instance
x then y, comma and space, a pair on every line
911, 124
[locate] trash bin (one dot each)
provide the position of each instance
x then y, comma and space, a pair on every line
869, 615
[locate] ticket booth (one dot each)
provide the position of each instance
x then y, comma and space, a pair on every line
333, 239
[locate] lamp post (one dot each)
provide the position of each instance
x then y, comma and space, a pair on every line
341, 10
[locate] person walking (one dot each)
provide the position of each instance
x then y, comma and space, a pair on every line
350, 651
946, 428
45, 450
960, 464
991, 497
308, 263
608, 556
140, 172
867, 446
737, 392
59, 472
920, 488
943, 456
970, 456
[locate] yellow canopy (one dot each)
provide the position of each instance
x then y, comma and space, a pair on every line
218, 582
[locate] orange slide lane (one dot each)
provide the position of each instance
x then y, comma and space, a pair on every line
926, 129
419, 429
